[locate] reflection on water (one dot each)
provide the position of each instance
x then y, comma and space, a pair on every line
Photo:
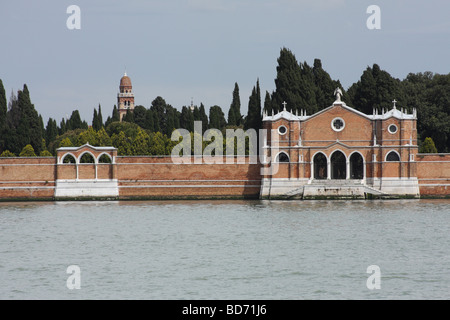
225, 249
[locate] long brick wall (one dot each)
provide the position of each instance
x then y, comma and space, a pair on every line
158, 177
27, 178
433, 173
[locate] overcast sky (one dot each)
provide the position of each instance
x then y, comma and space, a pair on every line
183, 49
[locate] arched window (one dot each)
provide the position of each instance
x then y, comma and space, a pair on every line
282, 157
392, 156
87, 158
68, 158
104, 158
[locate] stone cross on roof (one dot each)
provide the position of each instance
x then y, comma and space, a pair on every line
394, 102
284, 105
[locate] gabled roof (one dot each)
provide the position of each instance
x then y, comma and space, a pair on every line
86, 145
395, 113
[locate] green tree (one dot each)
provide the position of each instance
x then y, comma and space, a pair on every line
157, 144
140, 116
375, 89
7, 154
187, 119
45, 153
428, 146
203, 117
29, 128
51, 131
216, 118
103, 139
140, 145
234, 113
87, 136
254, 117
122, 144
66, 142
27, 151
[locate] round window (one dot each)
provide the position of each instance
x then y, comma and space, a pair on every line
392, 128
338, 124
282, 130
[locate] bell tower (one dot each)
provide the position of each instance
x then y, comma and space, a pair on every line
125, 97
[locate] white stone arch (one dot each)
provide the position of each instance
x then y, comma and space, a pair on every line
347, 164
61, 161
364, 163
331, 154
312, 163
104, 153
389, 152
83, 153
278, 154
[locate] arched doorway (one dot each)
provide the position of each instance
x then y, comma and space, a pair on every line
320, 166
338, 165
356, 166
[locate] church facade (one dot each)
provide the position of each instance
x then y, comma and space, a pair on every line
340, 152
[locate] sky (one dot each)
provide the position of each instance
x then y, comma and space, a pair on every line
198, 49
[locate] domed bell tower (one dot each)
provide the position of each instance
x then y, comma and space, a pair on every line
125, 97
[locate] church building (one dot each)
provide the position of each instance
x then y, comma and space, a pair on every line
341, 152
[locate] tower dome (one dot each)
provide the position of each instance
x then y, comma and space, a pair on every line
125, 81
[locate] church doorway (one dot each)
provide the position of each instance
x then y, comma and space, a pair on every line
320, 166
356, 166
338, 165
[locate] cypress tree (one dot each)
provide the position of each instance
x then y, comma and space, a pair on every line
51, 131
216, 118
254, 118
234, 114
203, 117
3, 112
95, 120
115, 114
3, 105
29, 128
74, 121
100, 117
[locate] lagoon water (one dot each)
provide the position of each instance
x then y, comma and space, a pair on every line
226, 249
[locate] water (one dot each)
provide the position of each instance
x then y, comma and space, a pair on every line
226, 249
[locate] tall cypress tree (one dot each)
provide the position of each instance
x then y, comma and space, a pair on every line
29, 128
234, 114
254, 118
203, 117
216, 118
3, 112
51, 131
95, 125
100, 117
